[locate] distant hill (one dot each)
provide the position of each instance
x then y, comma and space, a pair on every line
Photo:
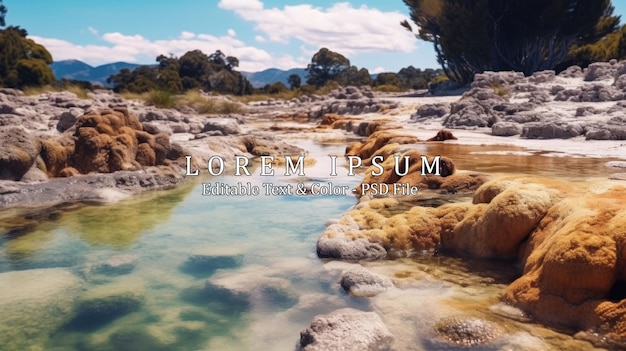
78, 70
273, 75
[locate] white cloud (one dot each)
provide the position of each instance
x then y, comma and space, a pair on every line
341, 27
260, 39
379, 70
241, 5
92, 30
232, 33
187, 35
136, 48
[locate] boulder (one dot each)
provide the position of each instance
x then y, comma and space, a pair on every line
67, 119
466, 113
552, 130
465, 332
346, 329
572, 72
600, 71
362, 283
226, 126
429, 111
505, 129
18, 151
574, 265
490, 79
443, 135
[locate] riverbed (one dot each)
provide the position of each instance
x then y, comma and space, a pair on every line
241, 272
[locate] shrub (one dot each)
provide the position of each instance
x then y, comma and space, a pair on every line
161, 99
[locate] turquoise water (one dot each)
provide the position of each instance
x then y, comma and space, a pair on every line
259, 285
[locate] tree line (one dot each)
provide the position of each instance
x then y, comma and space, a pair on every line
468, 36
519, 35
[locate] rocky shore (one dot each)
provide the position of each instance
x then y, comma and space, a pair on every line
565, 238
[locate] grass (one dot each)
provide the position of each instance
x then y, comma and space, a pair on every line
387, 88
286, 95
80, 92
161, 99
501, 90
208, 105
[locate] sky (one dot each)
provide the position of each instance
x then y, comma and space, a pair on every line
260, 33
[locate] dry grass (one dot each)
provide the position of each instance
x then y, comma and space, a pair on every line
501, 90
387, 88
80, 92
208, 105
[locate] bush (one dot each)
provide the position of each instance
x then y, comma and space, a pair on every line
387, 88
161, 99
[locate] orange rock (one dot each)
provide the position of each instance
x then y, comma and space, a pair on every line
443, 135
146, 155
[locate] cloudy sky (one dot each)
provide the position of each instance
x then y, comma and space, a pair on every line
261, 33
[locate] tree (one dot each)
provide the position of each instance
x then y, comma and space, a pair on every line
326, 65
23, 62
3, 13
520, 35
294, 81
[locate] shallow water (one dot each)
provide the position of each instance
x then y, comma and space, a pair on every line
267, 283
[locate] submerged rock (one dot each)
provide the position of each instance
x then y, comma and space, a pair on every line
206, 265
363, 283
346, 329
34, 304
116, 265
105, 303
466, 332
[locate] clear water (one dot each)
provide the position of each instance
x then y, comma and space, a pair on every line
262, 301
268, 284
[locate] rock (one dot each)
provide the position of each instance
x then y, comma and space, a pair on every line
429, 111
551, 130
600, 71
348, 249
346, 329
465, 332
466, 113
206, 265
68, 119
443, 135
226, 126
505, 129
220, 299
496, 229
572, 72
116, 265
606, 133
542, 77
490, 79
34, 304
574, 264
18, 151
363, 283
156, 128
105, 303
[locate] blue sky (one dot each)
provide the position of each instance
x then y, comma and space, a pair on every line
261, 33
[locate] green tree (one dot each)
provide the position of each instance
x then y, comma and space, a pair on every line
498, 35
294, 81
3, 13
354, 76
22, 61
325, 66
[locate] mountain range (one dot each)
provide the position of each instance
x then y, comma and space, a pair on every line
78, 70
